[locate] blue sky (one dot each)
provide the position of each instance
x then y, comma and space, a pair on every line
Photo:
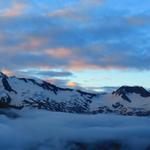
82, 43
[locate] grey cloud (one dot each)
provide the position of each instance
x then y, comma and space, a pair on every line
106, 41
54, 73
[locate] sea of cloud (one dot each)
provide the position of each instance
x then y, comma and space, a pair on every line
43, 130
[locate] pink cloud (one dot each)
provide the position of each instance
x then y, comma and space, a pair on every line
7, 72
83, 65
59, 52
16, 9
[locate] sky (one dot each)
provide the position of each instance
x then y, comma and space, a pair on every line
92, 44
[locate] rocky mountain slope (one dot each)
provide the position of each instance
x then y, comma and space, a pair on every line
126, 101
18, 93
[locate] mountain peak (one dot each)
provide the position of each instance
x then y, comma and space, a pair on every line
2, 75
132, 89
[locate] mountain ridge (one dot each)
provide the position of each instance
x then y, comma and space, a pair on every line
18, 93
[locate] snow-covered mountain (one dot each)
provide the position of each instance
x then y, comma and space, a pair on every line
22, 92
126, 101
18, 93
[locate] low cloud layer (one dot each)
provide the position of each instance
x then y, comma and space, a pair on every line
68, 131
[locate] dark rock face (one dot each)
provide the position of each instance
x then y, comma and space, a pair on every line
120, 109
90, 95
134, 89
126, 98
125, 90
7, 86
5, 99
52, 105
23, 79
5, 103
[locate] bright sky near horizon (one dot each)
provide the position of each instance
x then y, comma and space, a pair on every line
77, 43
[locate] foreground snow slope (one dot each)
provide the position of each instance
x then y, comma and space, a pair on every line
43, 130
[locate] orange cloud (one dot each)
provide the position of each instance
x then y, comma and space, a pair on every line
59, 52
71, 84
28, 44
7, 72
81, 65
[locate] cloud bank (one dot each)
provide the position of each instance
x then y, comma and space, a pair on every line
74, 35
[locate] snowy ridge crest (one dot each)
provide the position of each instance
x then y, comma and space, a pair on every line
18, 93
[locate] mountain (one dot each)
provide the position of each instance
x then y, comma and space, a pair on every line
127, 100
125, 90
19, 93
22, 92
